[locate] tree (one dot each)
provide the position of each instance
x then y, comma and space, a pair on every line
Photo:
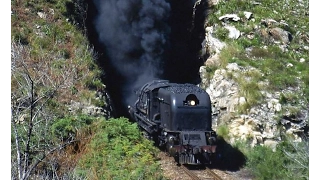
32, 101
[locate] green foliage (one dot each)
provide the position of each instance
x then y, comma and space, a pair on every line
230, 53
289, 161
242, 145
211, 69
223, 131
289, 98
222, 33
266, 164
250, 89
119, 151
67, 127
212, 18
234, 6
94, 83
260, 53
74, 90
297, 155
245, 42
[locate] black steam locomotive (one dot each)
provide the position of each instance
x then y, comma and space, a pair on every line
177, 117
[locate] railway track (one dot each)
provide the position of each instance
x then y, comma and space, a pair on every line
213, 174
205, 172
189, 172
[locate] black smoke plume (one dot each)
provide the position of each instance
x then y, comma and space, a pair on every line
135, 34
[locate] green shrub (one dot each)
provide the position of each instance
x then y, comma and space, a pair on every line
289, 161
266, 164
222, 33
119, 151
67, 127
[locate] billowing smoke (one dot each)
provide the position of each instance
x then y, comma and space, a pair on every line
135, 35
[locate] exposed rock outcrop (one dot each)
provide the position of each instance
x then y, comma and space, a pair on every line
261, 123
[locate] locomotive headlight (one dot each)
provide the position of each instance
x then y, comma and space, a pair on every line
171, 139
192, 103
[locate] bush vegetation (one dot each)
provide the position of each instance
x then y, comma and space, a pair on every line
118, 150
290, 160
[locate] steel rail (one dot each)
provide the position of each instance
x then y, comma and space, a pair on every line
189, 173
213, 174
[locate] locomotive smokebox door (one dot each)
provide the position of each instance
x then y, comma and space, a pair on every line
185, 108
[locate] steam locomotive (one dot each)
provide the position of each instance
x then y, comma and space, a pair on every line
177, 117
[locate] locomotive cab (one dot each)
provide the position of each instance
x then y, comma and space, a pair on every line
146, 110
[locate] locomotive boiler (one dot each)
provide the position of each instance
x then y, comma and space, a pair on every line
177, 117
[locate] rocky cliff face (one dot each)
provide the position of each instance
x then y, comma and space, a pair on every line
262, 123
